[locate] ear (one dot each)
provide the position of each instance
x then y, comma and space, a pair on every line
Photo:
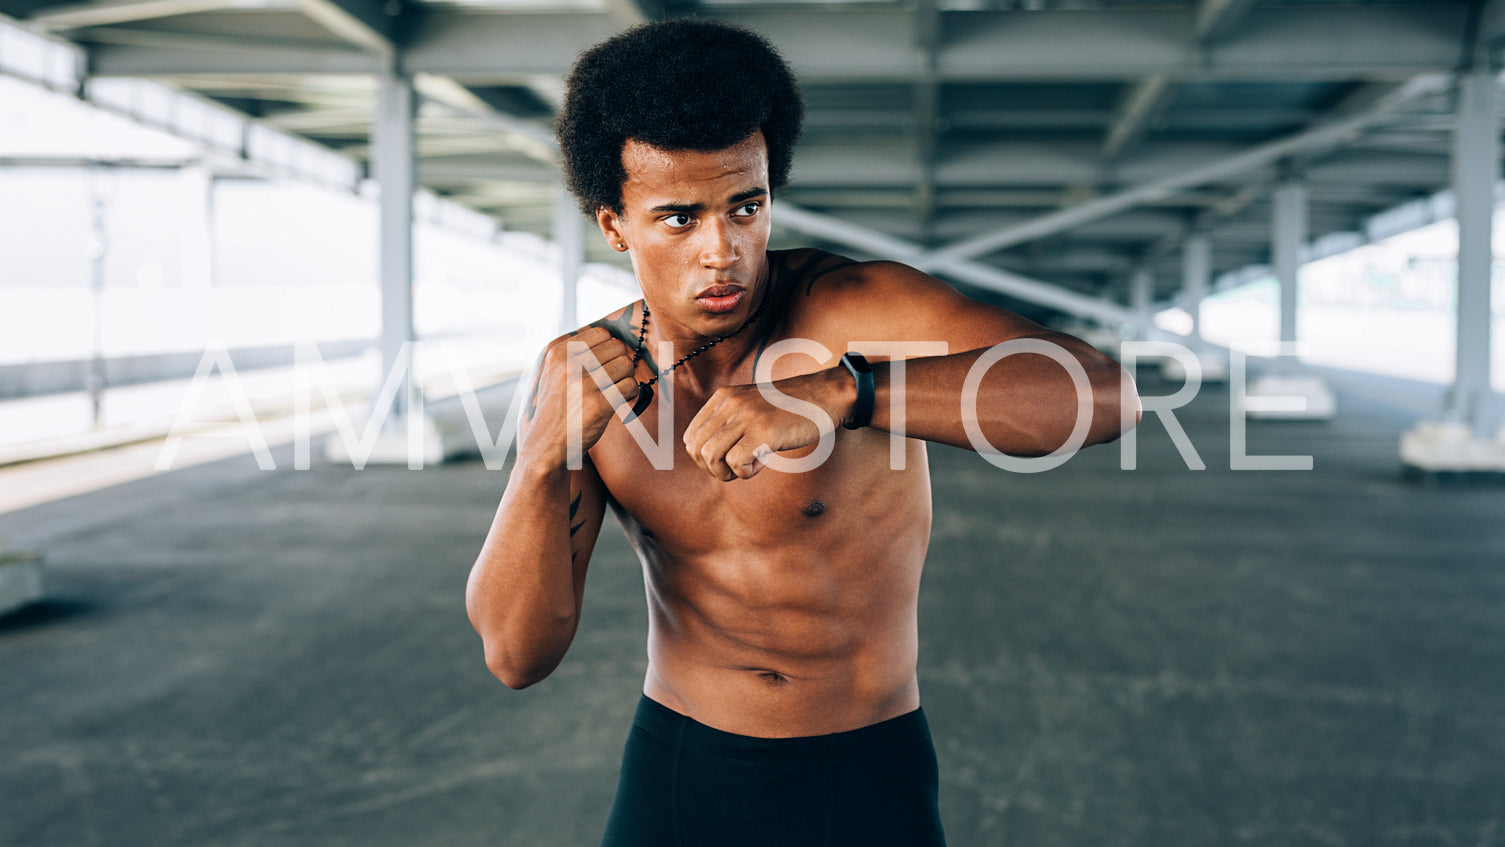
611, 227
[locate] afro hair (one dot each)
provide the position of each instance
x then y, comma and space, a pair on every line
684, 84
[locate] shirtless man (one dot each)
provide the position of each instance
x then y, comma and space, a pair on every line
781, 704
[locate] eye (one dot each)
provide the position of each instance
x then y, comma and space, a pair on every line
747, 210
679, 221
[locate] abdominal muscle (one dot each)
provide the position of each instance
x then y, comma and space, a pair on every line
787, 642
787, 606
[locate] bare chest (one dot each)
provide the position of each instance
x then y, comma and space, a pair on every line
681, 509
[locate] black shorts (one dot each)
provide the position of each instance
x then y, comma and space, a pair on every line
685, 784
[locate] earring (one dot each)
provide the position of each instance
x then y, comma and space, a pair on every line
621, 246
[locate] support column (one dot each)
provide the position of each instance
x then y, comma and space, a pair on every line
407, 435
1196, 276
1141, 292
1461, 439
394, 161
98, 250
1476, 169
1196, 267
1288, 391
569, 235
1289, 230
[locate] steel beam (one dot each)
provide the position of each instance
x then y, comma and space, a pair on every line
362, 23
1216, 19
1146, 100
538, 143
1385, 41
230, 58
60, 18
882, 245
1329, 134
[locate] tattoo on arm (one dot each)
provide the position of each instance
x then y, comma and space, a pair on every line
819, 256
810, 283
623, 328
575, 527
531, 408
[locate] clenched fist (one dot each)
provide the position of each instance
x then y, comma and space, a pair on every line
581, 363
736, 433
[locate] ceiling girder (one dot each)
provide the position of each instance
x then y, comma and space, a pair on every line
61, 18
1328, 134
1217, 18
362, 23
995, 279
1387, 41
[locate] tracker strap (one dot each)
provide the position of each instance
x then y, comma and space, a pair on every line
862, 373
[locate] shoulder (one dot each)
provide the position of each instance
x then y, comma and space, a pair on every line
618, 324
838, 302
827, 293
816, 274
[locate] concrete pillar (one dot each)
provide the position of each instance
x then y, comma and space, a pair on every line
1141, 295
407, 436
1141, 290
1288, 391
569, 235
1196, 270
1288, 234
1460, 441
1196, 277
1476, 169
394, 162
98, 252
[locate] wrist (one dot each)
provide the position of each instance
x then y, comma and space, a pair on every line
863, 391
541, 465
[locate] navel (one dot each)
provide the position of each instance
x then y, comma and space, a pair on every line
816, 508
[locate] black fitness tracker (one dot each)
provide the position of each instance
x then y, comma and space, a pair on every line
862, 373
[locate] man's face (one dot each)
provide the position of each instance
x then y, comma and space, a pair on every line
696, 226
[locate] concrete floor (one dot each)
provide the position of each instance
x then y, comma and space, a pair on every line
1149, 657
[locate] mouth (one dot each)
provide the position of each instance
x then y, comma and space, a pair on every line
719, 299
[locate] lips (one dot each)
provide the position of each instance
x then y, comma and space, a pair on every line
719, 299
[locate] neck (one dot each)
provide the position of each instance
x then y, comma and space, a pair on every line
711, 358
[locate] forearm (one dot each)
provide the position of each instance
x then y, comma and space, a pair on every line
521, 593
1024, 404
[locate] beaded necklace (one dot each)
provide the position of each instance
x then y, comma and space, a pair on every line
645, 389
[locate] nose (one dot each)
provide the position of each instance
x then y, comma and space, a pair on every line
718, 251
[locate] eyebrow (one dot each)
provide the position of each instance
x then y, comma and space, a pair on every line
687, 208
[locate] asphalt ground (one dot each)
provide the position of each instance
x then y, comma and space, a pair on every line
1157, 656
